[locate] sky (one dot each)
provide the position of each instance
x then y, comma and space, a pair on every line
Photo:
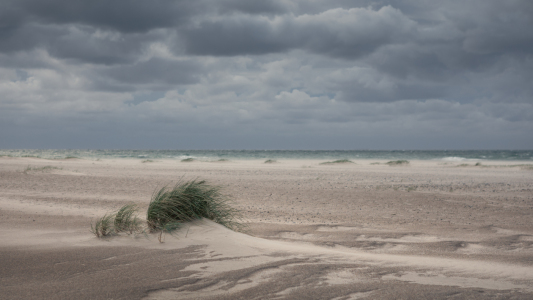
270, 74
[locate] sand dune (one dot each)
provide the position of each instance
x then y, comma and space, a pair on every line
353, 231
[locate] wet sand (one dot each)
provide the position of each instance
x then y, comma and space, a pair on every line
428, 230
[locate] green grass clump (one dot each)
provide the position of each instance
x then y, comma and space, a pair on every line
270, 161
147, 161
187, 160
124, 220
103, 226
478, 164
70, 157
340, 161
223, 159
127, 221
397, 162
169, 209
41, 169
463, 165
375, 163
187, 201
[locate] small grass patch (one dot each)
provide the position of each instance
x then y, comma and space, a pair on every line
103, 226
127, 221
397, 162
124, 220
32, 156
190, 159
147, 161
375, 163
525, 167
270, 161
339, 161
71, 157
40, 169
521, 166
223, 159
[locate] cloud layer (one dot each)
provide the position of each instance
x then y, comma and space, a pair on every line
409, 74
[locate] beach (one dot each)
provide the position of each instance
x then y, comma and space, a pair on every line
428, 229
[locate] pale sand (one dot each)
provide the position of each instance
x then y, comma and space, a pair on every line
429, 230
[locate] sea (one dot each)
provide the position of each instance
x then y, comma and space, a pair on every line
213, 155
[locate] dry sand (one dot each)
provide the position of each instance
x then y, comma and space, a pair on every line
429, 230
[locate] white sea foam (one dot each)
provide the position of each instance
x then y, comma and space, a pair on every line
458, 159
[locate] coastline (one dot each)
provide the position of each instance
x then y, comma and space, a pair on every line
429, 228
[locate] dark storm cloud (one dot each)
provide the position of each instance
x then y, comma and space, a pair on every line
374, 67
337, 32
269, 7
121, 15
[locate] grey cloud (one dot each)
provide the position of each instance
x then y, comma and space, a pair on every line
336, 32
265, 7
157, 71
121, 15
79, 43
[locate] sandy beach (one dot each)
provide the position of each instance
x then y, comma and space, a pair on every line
363, 230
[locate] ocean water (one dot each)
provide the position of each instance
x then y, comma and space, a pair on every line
211, 155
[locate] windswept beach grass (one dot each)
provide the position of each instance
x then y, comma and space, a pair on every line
520, 166
127, 221
339, 161
398, 162
40, 169
187, 201
188, 159
170, 208
103, 226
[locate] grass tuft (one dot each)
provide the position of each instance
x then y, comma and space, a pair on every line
187, 160
127, 221
103, 226
397, 162
41, 169
187, 201
147, 161
340, 161
270, 161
